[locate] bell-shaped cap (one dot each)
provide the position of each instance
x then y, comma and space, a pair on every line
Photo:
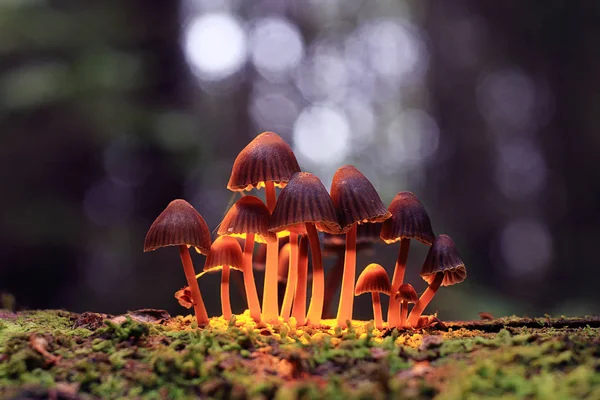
444, 258
249, 215
355, 198
366, 236
267, 158
303, 200
373, 279
407, 293
179, 224
409, 220
225, 251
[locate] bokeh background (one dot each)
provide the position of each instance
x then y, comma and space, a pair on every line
488, 110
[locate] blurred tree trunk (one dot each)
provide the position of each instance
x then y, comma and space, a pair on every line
554, 42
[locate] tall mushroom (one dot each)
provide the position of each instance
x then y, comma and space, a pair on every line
357, 202
248, 218
335, 245
374, 280
406, 294
267, 161
304, 204
225, 253
442, 267
409, 220
182, 226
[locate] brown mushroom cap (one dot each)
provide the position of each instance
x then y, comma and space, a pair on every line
179, 224
409, 220
249, 215
355, 198
373, 279
304, 199
267, 158
366, 236
407, 293
225, 251
444, 258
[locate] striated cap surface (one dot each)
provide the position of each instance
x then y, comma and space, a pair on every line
249, 215
409, 220
304, 199
179, 224
407, 293
373, 279
444, 258
225, 251
355, 198
267, 158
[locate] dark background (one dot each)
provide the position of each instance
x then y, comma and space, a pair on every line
487, 110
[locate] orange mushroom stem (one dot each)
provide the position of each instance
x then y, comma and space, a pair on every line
299, 309
270, 311
290, 289
348, 279
315, 310
425, 299
225, 303
251, 294
190, 276
397, 281
377, 310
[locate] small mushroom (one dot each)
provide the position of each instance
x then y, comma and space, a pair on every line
267, 161
375, 280
442, 267
409, 220
357, 202
182, 226
248, 218
305, 205
225, 253
406, 294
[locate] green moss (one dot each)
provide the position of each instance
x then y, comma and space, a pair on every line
137, 360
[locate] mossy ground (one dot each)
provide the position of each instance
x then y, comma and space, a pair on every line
64, 355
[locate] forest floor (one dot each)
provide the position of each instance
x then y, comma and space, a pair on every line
148, 354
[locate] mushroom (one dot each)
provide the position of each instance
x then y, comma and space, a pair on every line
405, 294
304, 204
357, 202
248, 218
335, 245
225, 253
181, 225
375, 280
409, 220
267, 161
299, 308
442, 267
285, 274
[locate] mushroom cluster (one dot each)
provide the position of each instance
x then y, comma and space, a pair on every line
303, 209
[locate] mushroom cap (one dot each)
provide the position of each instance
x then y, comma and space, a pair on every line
304, 199
366, 236
373, 279
444, 258
179, 224
225, 251
267, 158
249, 215
407, 293
409, 220
355, 198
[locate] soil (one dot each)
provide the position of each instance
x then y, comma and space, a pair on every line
148, 354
